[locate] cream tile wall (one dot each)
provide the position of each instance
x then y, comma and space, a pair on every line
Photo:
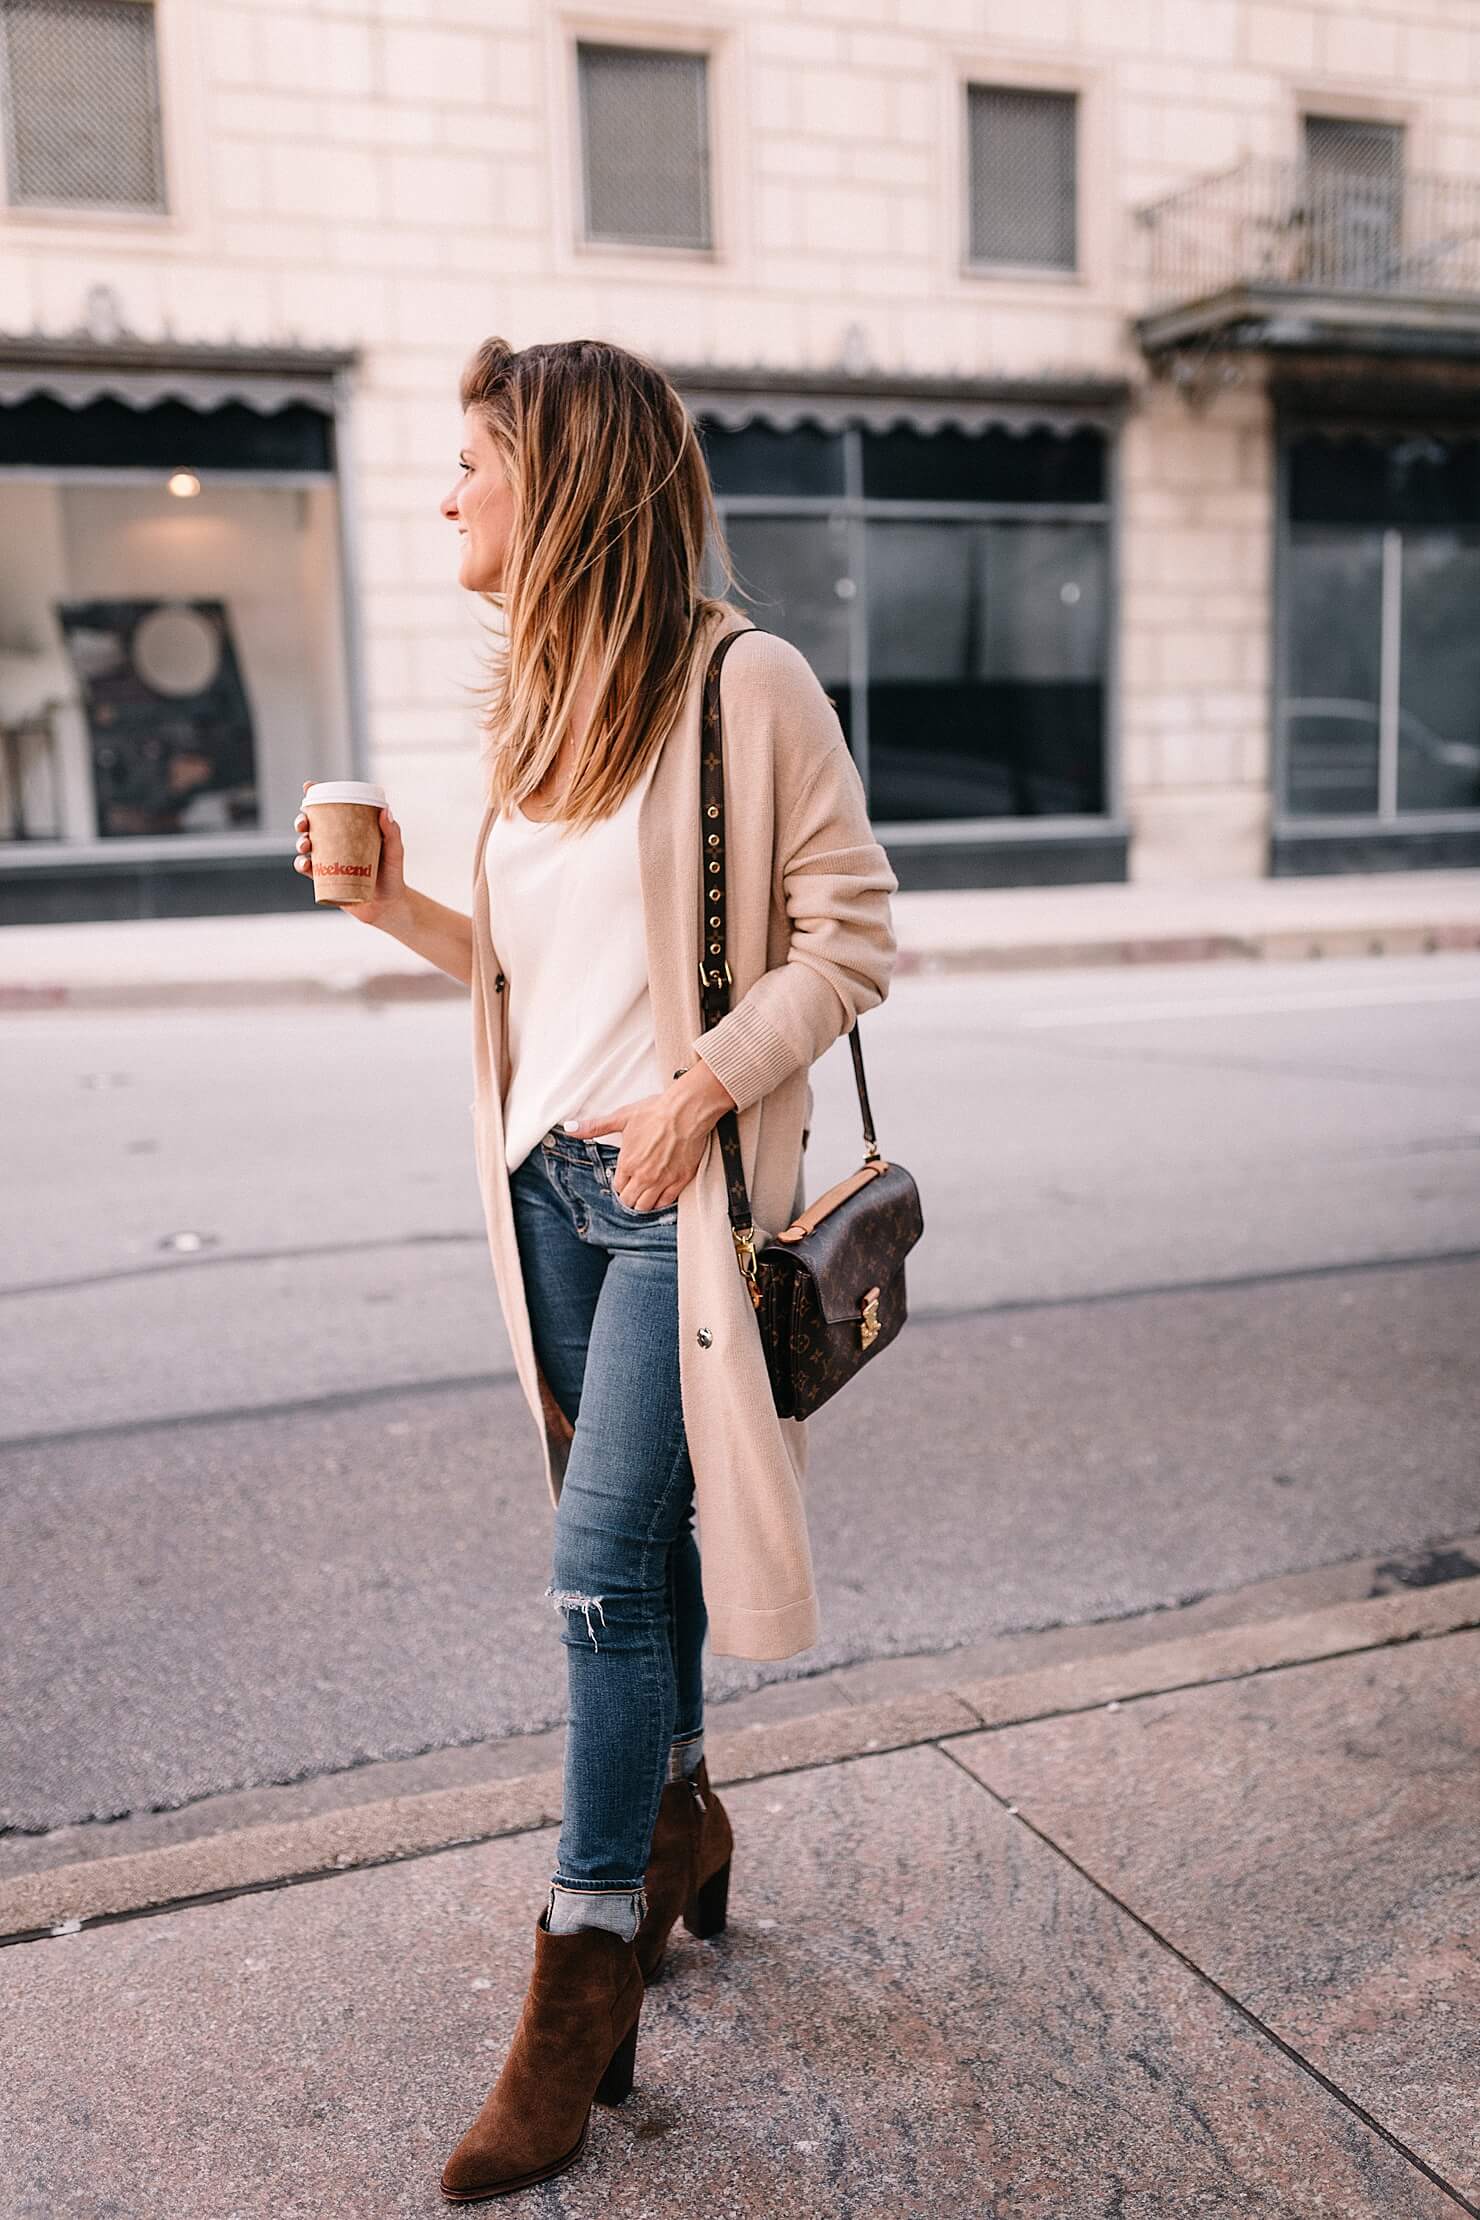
400, 175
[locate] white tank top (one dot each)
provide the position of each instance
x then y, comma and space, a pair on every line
566, 916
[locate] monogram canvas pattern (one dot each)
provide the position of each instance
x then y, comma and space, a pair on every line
812, 1294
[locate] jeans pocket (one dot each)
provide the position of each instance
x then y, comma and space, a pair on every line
665, 1215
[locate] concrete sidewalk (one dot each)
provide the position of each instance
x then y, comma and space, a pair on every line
315, 956
1178, 1931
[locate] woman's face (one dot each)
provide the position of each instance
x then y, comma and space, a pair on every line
481, 505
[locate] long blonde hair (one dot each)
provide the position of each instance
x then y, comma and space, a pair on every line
612, 509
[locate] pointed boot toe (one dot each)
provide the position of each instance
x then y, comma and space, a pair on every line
575, 2046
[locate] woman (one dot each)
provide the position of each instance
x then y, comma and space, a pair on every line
583, 507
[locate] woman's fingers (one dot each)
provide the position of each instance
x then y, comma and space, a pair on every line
632, 1200
607, 1121
303, 861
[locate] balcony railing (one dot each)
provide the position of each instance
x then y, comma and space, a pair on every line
1274, 229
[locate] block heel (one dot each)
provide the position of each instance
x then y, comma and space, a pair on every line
705, 1915
616, 2083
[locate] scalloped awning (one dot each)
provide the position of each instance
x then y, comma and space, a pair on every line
139, 389
784, 400
141, 375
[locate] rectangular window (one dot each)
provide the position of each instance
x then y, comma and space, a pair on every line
1380, 693
79, 104
644, 145
950, 588
986, 653
1022, 176
181, 660
1354, 201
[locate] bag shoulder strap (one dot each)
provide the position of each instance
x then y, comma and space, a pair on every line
714, 969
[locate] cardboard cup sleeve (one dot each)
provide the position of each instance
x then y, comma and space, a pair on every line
344, 836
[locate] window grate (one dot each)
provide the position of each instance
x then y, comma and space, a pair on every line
645, 145
79, 104
1022, 159
1354, 200
1352, 147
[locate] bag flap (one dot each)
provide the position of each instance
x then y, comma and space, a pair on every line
859, 1245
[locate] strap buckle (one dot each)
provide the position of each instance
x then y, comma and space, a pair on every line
716, 978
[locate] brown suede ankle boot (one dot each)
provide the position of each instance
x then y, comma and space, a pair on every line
689, 1871
575, 2044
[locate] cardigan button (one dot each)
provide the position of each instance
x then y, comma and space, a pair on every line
498, 984
704, 1337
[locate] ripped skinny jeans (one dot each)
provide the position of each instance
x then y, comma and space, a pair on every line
602, 1287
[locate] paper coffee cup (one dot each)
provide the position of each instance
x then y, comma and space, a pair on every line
344, 835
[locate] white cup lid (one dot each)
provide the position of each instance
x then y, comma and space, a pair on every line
345, 790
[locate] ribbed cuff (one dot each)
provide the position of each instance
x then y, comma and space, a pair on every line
746, 1054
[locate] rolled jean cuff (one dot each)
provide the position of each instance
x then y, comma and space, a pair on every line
622, 1911
682, 1757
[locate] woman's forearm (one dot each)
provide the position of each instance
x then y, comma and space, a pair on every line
443, 936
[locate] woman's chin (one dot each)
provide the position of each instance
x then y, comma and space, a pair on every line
473, 580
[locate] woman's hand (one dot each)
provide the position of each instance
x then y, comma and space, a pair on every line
663, 1137
389, 899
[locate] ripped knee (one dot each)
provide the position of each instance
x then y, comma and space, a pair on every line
569, 1600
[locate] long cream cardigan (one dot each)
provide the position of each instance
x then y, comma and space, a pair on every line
810, 945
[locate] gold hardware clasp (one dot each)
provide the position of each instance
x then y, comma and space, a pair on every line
868, 1325
718, 979
744, 1239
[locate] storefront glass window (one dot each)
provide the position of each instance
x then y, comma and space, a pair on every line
994, 465
171, 620
1333, 707
759, 459
788, 570
952, 594
986, 660
1380, 691
1439, 672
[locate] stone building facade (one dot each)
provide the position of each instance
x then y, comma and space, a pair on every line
1091, 390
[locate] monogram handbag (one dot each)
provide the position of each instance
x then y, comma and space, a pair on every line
829, 1291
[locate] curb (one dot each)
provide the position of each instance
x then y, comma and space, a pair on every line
64, 1899
1274, 945
213, 994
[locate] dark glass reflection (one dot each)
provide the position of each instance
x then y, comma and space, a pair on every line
1331, 706
788, 570
986, 648
109, 434
993, 465
759, 459
1357, 479
1439, 672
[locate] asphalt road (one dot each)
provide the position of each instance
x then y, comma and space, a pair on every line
1197, 1303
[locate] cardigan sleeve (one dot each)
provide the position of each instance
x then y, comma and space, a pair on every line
836, 881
